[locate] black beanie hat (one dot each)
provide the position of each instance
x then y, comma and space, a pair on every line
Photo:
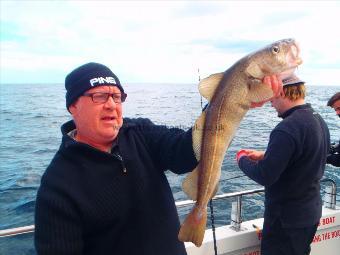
86, 77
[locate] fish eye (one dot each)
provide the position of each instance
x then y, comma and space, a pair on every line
275, 49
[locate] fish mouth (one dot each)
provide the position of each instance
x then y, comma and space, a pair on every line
287, 73
295, 60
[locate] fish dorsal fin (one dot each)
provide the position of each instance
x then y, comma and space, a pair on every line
197, 135
190, 185
254, 70
207, 86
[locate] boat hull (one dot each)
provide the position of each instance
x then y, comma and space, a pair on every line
247, 240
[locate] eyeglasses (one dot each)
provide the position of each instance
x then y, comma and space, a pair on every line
102, 97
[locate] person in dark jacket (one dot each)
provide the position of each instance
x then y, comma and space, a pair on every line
290, 169
333, 157
105, 191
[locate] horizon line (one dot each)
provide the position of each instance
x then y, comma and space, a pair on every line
144, 83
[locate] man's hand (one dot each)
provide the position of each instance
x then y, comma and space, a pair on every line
240, 154
252, 154
275, 83
255, 155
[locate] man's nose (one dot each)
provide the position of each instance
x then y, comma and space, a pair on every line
110, 102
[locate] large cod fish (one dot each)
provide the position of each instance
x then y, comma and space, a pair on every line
230, 95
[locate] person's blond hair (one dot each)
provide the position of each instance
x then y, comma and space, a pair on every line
295, 92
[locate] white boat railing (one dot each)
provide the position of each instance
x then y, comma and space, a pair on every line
17, 231
236, 217
330, 198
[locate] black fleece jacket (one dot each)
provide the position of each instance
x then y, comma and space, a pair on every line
292, 167
92, 202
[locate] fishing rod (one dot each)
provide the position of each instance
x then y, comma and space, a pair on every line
199, 80
212, 217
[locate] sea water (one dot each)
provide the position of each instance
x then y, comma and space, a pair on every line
30, 119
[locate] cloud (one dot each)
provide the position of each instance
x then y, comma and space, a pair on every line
165, 41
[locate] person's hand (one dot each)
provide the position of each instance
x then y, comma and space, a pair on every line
275, 83
252, 154
255, 155
240, 154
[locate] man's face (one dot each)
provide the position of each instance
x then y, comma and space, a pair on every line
97, 123
279, 103
336, 107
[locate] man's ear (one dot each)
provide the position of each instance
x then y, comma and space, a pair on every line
73, 108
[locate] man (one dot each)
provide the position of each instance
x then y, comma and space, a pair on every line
333, 157
290, 170
105, 191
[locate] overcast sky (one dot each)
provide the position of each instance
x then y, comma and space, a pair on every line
162, 41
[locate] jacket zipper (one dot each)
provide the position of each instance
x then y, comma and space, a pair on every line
119, 157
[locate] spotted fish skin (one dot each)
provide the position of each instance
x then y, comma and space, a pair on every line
230, 95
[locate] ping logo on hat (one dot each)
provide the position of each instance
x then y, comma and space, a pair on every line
86, 77
102, 80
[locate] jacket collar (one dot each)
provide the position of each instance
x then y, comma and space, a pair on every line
69, 126
293, 109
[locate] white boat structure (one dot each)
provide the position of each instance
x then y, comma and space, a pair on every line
243, 238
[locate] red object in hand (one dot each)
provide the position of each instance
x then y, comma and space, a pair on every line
240, 154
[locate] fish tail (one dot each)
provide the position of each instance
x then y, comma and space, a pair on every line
193, 227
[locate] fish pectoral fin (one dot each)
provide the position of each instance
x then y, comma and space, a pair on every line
197, 134
190, 184
207, 86
259, 92
254, 70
